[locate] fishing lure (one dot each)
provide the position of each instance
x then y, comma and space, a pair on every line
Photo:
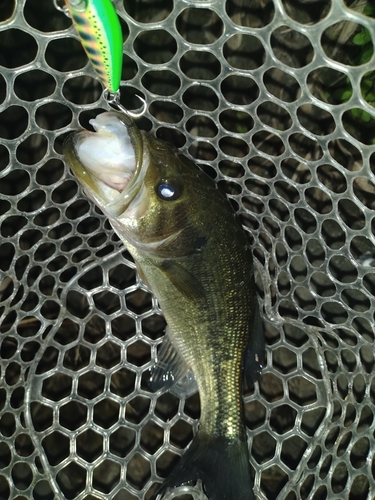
99, 31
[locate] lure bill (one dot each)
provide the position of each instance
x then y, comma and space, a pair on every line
99, 30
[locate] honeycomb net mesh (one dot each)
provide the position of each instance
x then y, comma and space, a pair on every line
273, 100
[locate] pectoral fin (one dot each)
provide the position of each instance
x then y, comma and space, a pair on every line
183, 279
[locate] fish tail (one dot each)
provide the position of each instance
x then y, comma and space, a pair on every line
221, 464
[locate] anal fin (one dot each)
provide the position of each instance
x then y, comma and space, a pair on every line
170, 371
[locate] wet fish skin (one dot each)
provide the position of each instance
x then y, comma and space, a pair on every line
192, 252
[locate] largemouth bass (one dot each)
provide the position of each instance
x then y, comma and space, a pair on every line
191, 250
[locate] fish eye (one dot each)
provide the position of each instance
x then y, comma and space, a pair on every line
167, 192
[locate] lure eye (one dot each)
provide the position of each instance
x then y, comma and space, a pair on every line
167, 192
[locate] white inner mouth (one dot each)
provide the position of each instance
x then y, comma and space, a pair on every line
108, 154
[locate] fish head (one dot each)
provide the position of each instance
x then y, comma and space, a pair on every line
155, 198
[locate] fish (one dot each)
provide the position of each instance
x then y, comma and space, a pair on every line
191, 250
99, 30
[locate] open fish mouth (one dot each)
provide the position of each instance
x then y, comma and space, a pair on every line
110, 162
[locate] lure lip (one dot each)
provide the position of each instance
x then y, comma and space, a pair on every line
90, 182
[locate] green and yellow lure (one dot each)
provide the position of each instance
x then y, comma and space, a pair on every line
99, 30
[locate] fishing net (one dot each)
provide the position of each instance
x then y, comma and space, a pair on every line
274, 100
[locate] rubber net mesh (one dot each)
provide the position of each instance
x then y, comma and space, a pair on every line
274, 100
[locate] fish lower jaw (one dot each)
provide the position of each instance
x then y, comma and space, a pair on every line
132, 201
107, 193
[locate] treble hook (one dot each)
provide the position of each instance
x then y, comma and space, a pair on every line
64, 9
113, 99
